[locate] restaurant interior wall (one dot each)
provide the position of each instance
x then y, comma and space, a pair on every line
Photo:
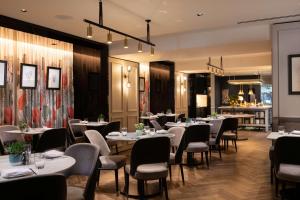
162, 81
124, 98
286, 107
144, 92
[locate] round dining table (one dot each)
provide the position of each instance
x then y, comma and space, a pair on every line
53, 165
184, 124
132, 136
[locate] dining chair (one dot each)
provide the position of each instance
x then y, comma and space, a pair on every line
197, 140
215, 142
178, 133
216, 125
287, 161
52, 139
111, 127
76, 132
108, 162
6, 138
155, 124
149, 158
46, 187
271, 157
86, 156
180, 117
230, 131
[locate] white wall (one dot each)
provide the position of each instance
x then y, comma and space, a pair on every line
285, 41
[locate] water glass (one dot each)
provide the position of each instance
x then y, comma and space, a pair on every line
39, 160
124, 131
281, 129
27, 154
147, 129
152, 131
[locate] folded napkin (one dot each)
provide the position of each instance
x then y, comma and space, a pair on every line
161, 131
53, 154
114, 133
296, 132
16, 172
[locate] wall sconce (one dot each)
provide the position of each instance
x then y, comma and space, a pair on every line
183, 85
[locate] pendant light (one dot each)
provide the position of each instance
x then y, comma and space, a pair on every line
250, 91
125, 43
89, 31
152, 51
241, 92
140, 47
109, 38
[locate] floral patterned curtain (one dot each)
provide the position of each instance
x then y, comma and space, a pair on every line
39, 106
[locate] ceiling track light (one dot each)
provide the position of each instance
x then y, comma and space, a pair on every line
89, 31
152, 51
125, 43
109, 40
140, 47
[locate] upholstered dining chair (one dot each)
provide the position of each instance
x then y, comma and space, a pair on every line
155, 124
230, 131
52, 139
46, 187
149, 158
216, 125
6, 138
76, 132
197, 141
287, 161
86, 156
108, 162
215, 142
178, 133
111, 127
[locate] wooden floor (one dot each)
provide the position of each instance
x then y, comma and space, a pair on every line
242, 175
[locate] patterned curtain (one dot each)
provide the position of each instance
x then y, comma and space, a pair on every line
40, 106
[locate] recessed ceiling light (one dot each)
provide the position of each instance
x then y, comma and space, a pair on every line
23, 10
199, 14
163, 11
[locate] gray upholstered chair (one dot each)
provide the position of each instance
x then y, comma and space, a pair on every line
287, 160
214, 142
149, 161
108, 162
197, 139
216, 125
155, 124
76, 131
86, 156
230, 131
178, 133
6, 138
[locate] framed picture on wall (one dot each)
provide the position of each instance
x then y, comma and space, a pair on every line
28, 75
3, 73
53, 78
294, 74
142, 84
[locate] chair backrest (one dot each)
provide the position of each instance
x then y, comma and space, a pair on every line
87, 162
111, 127
46, 187
180, 116
155, 124
216, 125
97, 139
231, 124
149, 150
286, 151
52, 139
221, 131
9, 137
195, 133
178, 132
76, 130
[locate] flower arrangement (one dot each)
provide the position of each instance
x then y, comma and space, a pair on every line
214, 114
16, 148
234, 100
23, 125
101, 117
139, 126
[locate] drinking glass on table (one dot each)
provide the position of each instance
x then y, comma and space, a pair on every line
152, 131
281, 129
124, 131
147, 129
39, 160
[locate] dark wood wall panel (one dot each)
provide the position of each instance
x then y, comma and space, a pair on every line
162, 86
90, 76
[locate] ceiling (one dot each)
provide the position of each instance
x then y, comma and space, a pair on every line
169, 17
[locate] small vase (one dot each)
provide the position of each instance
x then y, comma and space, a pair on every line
139, 132
15, 159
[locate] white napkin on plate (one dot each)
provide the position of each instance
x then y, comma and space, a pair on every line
296, 132
161, 131
53, 154
114, 133
16, 172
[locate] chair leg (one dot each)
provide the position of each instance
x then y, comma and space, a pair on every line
206, 157
220, 151
181, 170
141, 189
164, 182
98, 177
117, 179
210, 152
276, 186
235, 145
126, 187
160, 186
170, 171
271, 172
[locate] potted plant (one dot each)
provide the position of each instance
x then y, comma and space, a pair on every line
214, 115
101, 118
15, 151
139, 128
23, 126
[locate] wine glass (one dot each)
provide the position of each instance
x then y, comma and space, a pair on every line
124, 131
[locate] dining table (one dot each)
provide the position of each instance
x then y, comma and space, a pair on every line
185, 124
52, 165
91, 124
133, 136
275, 135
